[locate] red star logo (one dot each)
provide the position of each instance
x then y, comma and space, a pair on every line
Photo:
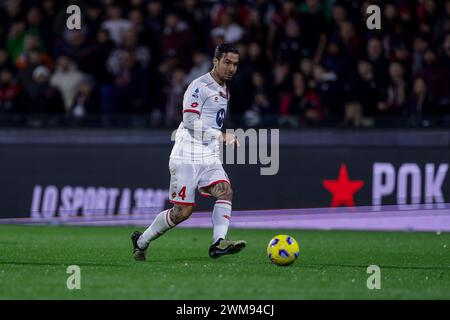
343, 189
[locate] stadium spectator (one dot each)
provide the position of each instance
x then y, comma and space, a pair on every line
367, 89
174, 92
93, 19
144, 35
339, 16
74, 43
235, 9
354, 115
289, 46
130, 43
25, 75
176, 41
155, 17
240, 85
87, 101
260, 110
395, 94
325, 84
130, 89
282, 13
44, 98
201, 66
435, 74
115, 23
348, 41
31, 42
35, 24
344, 66
420, 45
301, 106
279, 79
5, 61
255, 30
196, 14
12, 97
442, 26
306, 67
98, 56
421, 104
231, 31
67, 78
256, 58
313, 22
337, 61
443, 100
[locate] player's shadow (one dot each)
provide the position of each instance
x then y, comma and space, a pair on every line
325, 265
78, 263
188, 259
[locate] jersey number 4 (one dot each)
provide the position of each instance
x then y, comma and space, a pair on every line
182, 193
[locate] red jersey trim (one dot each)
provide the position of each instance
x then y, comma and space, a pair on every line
185, 203
203, 194
192, 110
216, 182
224, 202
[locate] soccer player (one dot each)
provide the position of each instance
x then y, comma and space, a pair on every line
195, 159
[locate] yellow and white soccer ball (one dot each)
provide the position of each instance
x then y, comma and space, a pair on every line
283, 250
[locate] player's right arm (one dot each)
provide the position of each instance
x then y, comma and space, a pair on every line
193, 101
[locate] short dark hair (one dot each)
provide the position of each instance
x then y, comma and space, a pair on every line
224, 48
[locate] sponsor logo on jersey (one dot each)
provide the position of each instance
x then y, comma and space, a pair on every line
194, 104
219, 117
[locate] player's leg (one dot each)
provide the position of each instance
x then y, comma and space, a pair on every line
216, 184
222, 209
163, 222
182, 195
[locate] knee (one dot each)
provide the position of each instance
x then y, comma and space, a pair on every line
227, 194
179, 213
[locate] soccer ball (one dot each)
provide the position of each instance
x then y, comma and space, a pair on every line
283, 250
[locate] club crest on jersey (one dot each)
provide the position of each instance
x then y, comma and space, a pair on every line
220, 116
196, 92
223, 95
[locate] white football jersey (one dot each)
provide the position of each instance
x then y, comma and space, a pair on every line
207, 100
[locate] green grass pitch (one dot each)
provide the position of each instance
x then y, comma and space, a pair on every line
332, 265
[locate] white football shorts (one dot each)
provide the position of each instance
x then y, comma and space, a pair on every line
186, 177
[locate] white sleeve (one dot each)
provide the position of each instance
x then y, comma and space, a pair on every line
192, 121
193, 101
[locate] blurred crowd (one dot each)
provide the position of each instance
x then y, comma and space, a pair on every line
302, 63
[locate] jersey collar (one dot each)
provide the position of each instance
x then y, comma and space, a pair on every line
224, 84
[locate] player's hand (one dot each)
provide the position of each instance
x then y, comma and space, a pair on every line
230, 138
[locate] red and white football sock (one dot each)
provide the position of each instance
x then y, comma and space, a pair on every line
161, 224
221, 219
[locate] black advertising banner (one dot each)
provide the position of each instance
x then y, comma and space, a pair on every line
53, 180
